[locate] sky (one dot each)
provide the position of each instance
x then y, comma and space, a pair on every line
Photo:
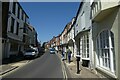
49, 18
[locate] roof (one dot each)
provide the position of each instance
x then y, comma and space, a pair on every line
78, 12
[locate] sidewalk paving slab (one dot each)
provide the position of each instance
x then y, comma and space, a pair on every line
84, 71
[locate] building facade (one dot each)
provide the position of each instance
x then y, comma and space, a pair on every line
5, 6
58, 42
33, 36
70, 38
106, 37
83, 33
15, 18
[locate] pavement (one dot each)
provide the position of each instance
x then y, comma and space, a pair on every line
11, 64
85, 72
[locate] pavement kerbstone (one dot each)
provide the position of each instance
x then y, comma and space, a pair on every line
5, 68
8, 69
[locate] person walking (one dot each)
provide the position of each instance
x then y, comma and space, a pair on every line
69, 55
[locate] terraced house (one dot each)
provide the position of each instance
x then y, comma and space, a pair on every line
106, 37
57, 42
83, 33
64, 39
70, 38
17, 33
14, 18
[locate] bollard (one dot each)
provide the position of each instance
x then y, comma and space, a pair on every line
78, 59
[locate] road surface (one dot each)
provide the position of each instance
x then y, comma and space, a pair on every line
46, 66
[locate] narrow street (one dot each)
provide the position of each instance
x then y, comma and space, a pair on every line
64, 39
46, 66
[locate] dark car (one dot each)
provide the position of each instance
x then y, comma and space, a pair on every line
52, 50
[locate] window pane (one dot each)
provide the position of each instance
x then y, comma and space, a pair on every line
87, 53
108, 59
12, 24
107, 42
103, 57
98, 55
114, 58
102, 53
18, 15
112, 38
98, 43
106, 63
101, 39
14, 7
105, 52
17, 29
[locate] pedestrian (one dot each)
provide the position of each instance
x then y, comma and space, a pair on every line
69, 55
63, 54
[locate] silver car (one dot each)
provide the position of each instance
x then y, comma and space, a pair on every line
52, 50
31, 53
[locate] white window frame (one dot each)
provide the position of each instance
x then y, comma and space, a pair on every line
83, 46
100, 60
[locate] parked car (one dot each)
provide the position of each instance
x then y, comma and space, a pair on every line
52, 50
33, 53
